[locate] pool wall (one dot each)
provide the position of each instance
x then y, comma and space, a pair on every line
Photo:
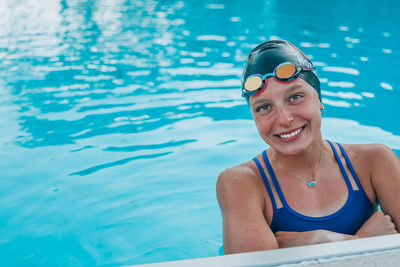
373, 251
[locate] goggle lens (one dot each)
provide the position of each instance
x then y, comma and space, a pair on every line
253, 83
285, 71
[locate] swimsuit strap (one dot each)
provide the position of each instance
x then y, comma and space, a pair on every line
350, 166
267, 185
346, 177
273, 178
278, 188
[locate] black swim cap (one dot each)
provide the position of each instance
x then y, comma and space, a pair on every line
265, 57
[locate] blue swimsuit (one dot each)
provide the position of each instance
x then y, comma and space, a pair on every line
347, 220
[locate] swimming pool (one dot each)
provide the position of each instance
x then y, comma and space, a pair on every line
117, 116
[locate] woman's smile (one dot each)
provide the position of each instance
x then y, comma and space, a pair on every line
290, 135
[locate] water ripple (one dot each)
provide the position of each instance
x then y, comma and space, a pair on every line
152, 146
342, 70
116, 163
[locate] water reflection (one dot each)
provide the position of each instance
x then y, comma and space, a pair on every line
93, 49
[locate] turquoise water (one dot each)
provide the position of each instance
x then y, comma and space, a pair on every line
117, 116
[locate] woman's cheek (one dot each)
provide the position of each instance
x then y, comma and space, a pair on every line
263, 127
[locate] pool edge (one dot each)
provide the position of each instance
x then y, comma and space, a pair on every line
371, 247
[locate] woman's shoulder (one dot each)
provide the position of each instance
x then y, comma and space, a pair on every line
239, 179
242, 173
368, 151
238, 188
369, 155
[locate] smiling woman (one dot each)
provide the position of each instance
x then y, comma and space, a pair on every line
303, 189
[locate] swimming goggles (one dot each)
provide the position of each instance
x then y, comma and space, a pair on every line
285, 72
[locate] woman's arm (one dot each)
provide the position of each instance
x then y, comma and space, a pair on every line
385, 178
294, 239
378, 224
241, 202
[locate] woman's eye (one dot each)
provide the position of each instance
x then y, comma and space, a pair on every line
295, 97
263, 107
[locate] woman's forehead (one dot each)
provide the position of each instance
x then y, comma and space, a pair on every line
276, 88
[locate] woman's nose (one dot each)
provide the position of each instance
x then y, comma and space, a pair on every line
285, 117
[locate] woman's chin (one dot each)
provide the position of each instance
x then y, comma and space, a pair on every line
291, 148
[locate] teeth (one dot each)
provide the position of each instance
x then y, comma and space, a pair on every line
290, 135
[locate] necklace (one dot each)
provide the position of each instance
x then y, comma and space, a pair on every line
313, 182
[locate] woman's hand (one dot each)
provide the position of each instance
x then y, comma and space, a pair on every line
377, 224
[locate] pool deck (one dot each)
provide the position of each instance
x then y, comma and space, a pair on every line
373, 251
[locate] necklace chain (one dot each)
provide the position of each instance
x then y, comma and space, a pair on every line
313, 182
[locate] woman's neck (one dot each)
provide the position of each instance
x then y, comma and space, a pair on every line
308, 160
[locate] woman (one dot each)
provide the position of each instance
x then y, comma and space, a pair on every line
303, 189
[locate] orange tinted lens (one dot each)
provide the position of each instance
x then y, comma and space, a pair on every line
253, 83
286, 71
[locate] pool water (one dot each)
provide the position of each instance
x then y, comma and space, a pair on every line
118, 116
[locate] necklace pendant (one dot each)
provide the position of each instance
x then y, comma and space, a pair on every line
312, 184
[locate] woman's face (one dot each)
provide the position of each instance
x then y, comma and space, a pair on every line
287, 115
